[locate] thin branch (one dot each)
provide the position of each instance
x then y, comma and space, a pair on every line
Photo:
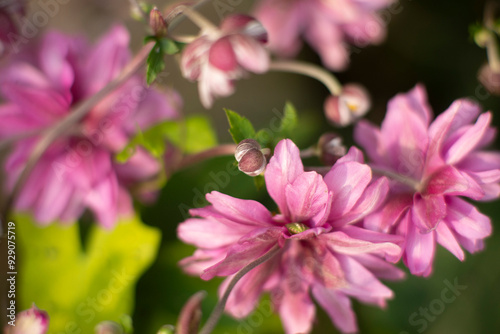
219, 308
73, 117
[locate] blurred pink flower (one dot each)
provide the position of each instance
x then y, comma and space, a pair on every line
327, 25
346, 108
220, 56
321, 251
432, 165
40, 87
32, 321
10, 12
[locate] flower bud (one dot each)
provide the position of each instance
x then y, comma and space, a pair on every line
330, 148
352, 103
251, 160
157, 23
33, 321
108, 327
489, 79
190, 316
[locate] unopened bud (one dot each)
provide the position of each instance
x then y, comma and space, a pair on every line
190, 316
489, 79
108, 327
330, 148
166, 329
157, 23
251, 160
33, 321
352, 103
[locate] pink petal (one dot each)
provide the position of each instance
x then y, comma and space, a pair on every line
373, 196
480, 161
347, 181
244, 252
250, 53
106, 60
296, 309
239, 210
379, 267
419, 252
428, 211
103, 200
16, 121
390, 213
450, 181
469, 140
446, 239
210, 233
362, 284
342, 243
222, 56
353, 155
284, 167
338, 306
306, 197
368, 136
466, 220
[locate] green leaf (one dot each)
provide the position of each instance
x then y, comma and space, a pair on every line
168, 46
239, 127
289, 121
155, 63
80, 288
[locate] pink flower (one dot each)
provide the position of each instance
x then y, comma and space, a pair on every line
220, 56
33, 321
327, 25
321, 252
432, 164
10, 12
78, 171
352, 104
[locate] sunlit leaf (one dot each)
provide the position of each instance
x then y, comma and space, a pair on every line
82, 286
239, 127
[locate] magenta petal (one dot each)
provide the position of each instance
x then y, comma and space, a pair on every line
222, 56
450, 181
389, 214
379, 267
368, 136
244, 252
480, 161
338, 306
347, 181
284, 167
306, 197
446, 239
240, 210
466, 220
428, 211
419, 252
103, 200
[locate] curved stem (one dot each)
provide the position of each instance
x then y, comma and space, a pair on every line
73, 117
191, 14
226, 149
219, 308
414, 184
310, 70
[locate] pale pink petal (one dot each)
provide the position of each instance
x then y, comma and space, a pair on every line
379, 267
250, 53
368, 136
353, 155
480, 161
389, 214
338, 306
296, 308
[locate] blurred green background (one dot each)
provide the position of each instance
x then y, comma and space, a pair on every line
427, 42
